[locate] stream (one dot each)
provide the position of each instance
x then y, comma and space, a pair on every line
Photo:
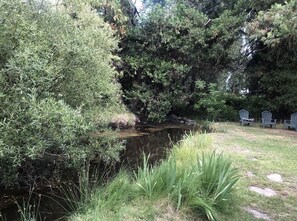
152, 140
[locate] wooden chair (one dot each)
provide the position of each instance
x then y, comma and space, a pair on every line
244, 118
292, 123
267, 120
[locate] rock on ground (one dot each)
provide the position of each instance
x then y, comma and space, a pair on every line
257, 214
265, 192
275, 177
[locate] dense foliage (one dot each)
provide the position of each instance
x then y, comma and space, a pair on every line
172, 47
272, 69
234, 44
56, 85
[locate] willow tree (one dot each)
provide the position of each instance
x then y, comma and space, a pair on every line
57, 84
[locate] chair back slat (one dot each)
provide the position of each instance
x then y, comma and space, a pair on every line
244, 114
294, 117
267, 115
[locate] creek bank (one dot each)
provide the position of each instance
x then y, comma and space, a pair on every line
153, 140
150, 140
182, 120
124, 120
130, 120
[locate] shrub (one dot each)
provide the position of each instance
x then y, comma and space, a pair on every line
218, 105
53, 131
54, 70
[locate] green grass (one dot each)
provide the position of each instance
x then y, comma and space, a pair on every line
192, 183
261, 152
27, 210
196, 181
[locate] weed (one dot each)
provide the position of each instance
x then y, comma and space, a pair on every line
28, 211
217, 176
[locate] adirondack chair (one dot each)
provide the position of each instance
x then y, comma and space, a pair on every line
267, 120
244, 118
292, 123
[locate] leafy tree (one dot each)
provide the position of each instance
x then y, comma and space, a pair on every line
174, 46
272, 70
56, 84
211, 101
214, 104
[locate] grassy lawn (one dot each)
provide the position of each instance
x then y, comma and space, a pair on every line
258, 152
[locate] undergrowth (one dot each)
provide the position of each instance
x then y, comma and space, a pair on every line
191, 177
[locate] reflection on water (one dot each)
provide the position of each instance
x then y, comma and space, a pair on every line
150, 140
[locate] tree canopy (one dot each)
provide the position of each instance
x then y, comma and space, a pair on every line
177, 43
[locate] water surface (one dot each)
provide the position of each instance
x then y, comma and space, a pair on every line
152, 140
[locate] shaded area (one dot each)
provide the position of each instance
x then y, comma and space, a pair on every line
150, 140
153, 140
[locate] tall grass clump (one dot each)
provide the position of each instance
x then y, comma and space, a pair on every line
190, 178
217, 177
77, 195
204, 183
156, 181
214, 178
105, 201
191, 145
28, 210
118, 191
145, 179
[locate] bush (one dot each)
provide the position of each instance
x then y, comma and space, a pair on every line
51, 130
54, 71
218, 105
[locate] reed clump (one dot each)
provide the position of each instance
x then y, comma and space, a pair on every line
191, 178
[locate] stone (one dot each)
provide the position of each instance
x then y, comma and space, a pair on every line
190, 122
265, 192
250, 174
257, 214
275, 177
253, 158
